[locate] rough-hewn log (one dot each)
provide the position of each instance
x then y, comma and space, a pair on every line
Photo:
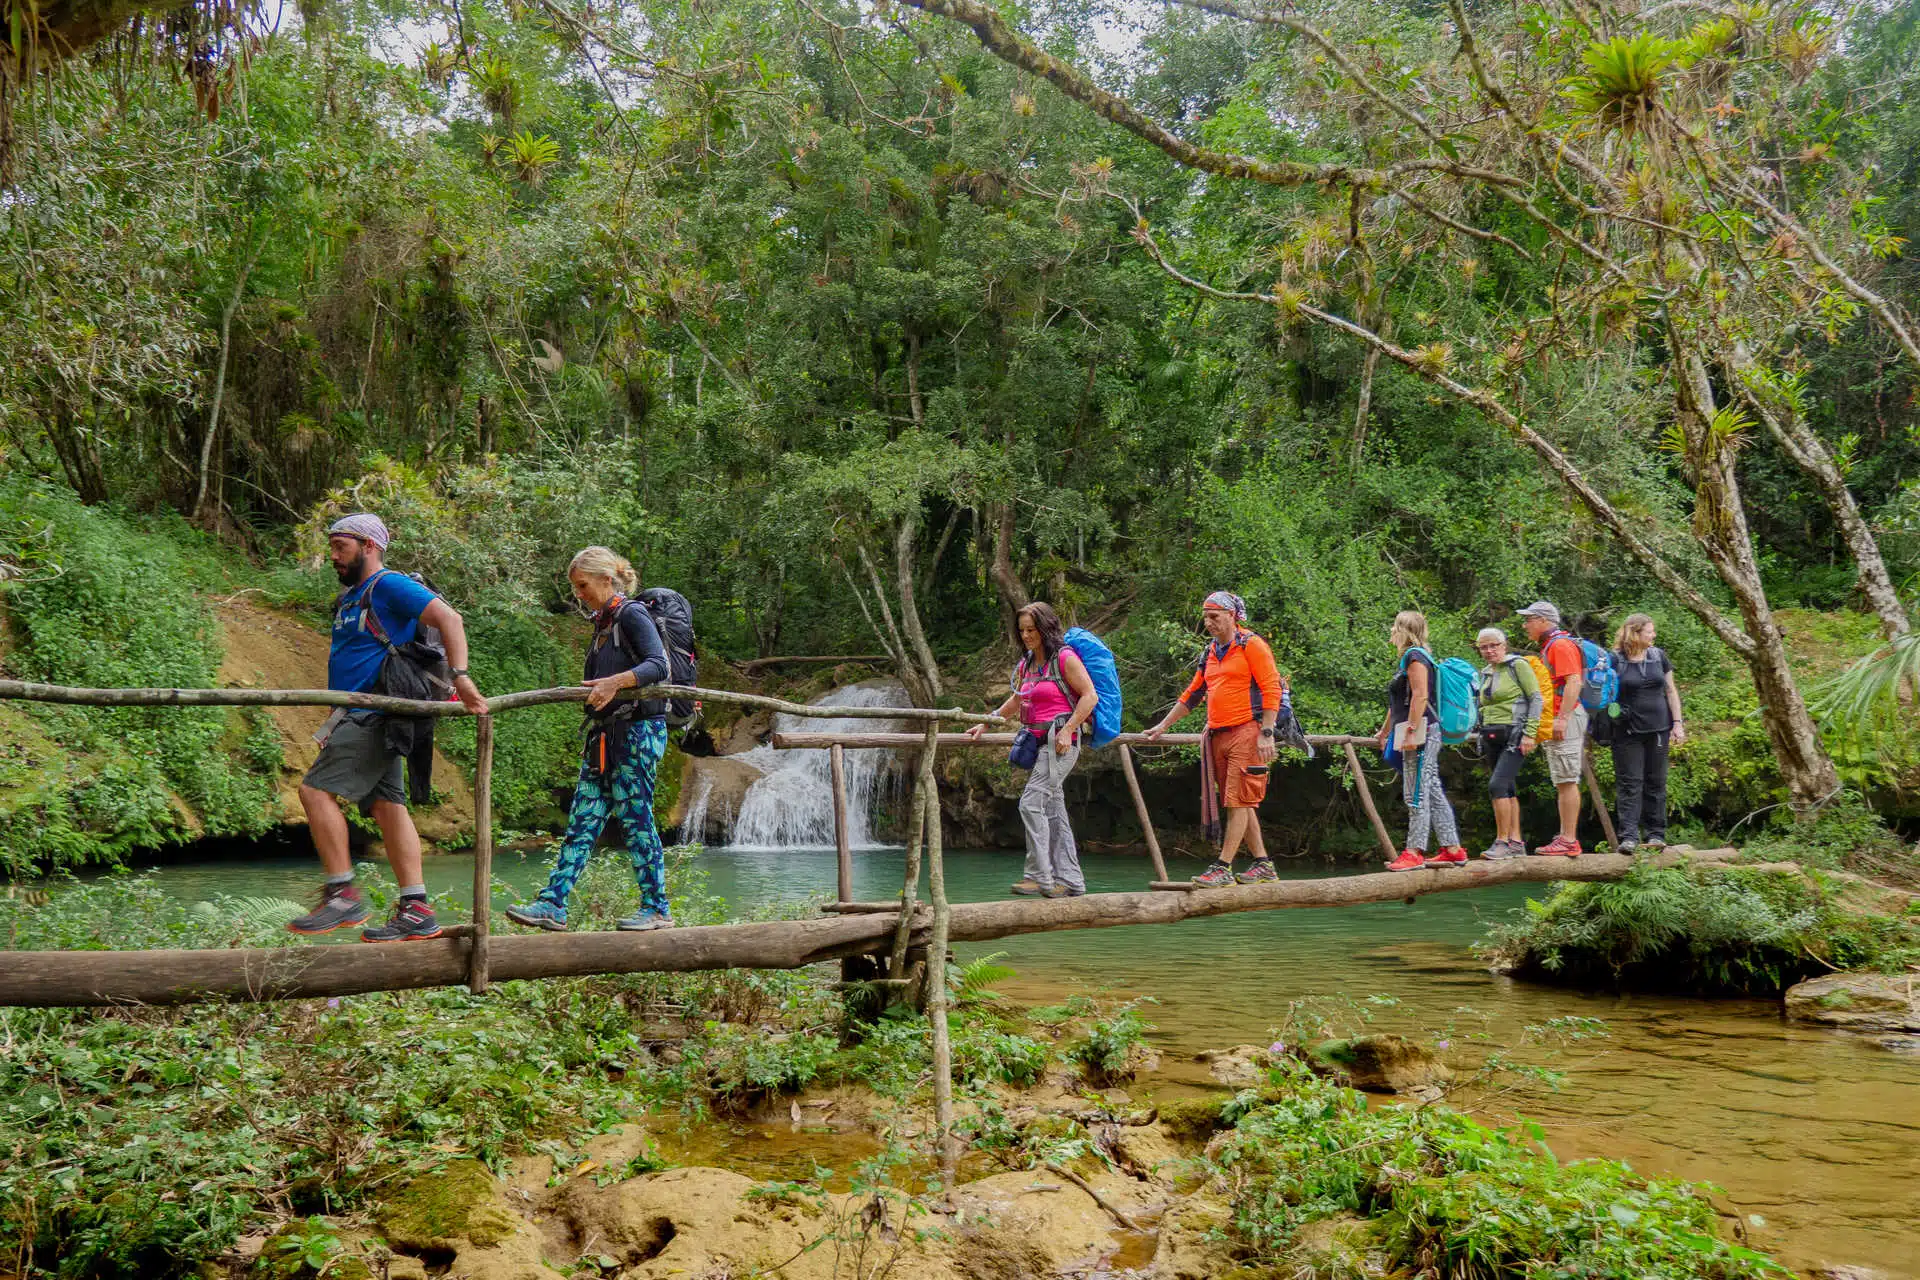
842, 840
44, 978
482, 855
1599, 801
1140, 811
28, 692
1365, 788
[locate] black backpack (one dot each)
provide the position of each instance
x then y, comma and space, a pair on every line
673, 619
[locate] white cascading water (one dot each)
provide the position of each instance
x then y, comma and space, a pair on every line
791, 807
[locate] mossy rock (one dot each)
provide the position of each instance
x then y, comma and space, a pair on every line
458, 1201
282, 1257
1196, 1119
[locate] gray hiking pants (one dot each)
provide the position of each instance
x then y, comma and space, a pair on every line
1052, 856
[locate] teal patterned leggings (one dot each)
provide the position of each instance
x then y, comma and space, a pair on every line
627, 791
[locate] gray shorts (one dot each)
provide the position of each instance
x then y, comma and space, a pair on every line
357, 765
1564, 753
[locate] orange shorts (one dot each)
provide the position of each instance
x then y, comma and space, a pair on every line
1235, 751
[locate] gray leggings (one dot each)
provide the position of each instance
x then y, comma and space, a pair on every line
1427, 805
1052, 856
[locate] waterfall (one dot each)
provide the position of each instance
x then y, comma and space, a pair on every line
791, 807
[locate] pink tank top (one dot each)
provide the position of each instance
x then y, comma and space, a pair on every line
1041, 699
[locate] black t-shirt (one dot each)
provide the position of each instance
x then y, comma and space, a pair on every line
1400, 692
1643, 691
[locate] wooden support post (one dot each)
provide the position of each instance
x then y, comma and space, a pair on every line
936, 979
1140, 808
477, 958
1599, 804
1366, 801
910, 881
842, 840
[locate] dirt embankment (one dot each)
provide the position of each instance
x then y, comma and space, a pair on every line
268, 649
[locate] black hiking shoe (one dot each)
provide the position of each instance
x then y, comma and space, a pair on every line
412, 921
339, 906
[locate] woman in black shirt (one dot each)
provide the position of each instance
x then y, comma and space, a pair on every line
1649, 723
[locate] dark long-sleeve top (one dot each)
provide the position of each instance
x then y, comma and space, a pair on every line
636, 648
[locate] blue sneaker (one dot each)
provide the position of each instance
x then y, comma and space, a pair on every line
643, 920
539, 914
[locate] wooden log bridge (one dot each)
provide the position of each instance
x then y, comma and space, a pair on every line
92, 978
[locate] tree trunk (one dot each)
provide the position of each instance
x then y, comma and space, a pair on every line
220, 382
1720, 523
1012, 592
922, 653
1371, 363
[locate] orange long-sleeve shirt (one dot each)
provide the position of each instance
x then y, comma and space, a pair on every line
1229, 682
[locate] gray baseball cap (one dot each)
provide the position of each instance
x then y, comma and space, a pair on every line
1542, 609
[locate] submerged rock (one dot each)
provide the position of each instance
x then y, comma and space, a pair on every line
1871, 1002
1242, 1067
1384, 1064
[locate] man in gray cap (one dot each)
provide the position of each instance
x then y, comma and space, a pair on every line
379, 612
1566, 666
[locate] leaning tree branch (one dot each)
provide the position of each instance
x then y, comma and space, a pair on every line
1490, 406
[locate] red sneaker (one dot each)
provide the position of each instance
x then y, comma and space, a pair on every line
1452, 855
1409, 860
1558, 847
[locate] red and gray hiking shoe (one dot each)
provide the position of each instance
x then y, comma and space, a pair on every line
1558, 847
339, 906
1220, 873
1409, 860
1259, 873
412, 921
1451, 855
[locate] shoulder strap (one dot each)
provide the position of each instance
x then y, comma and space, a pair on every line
369, 620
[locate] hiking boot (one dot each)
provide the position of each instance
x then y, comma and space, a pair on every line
1655, 844
1451, 855
1028, 889
1628, 846
1409, 860
339, 905
411, 921
1072, 892
1259, 873
644, 921
1501, 850
1214, 876
1558, 847
539, 914
1055, 891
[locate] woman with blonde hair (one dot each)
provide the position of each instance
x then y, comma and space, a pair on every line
1412, 733
1649, 725
625, 740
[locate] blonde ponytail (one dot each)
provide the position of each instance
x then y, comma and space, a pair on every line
600, 562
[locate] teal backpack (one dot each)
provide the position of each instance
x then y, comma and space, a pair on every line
1453, 697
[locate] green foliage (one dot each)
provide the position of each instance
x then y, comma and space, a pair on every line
1111, 1042
1437, 1189
111, 601
1701, 930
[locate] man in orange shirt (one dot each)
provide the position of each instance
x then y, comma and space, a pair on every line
1244, 695
1567, 666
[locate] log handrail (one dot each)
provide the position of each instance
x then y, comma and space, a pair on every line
821, 741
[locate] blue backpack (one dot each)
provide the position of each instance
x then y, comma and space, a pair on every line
1599, 679
1453, 697
1102, 670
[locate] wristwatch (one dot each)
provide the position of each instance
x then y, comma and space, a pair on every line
456, 672
1266, 733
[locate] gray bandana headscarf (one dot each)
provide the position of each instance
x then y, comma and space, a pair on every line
362, 524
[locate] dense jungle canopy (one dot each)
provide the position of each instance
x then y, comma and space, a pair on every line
869, 323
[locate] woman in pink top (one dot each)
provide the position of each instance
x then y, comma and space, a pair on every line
1055, 696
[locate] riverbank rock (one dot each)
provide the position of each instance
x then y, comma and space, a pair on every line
457, 1204
1242, 1067
716, 785
1385, 1064
1876, 1003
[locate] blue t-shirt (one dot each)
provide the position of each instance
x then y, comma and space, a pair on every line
353, 665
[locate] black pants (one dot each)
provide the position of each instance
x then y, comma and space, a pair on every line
1640, 784
1506, 763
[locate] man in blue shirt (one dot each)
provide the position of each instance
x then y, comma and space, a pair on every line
380, 610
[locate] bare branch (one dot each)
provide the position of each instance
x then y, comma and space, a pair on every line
1461, 227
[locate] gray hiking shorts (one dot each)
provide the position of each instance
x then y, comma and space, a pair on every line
357, 765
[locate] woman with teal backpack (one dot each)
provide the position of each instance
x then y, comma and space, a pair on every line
1411, 737
1055, 697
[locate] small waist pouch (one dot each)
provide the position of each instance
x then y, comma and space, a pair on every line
1025, 749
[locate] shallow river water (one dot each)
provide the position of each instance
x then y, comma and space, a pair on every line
1814, 1135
